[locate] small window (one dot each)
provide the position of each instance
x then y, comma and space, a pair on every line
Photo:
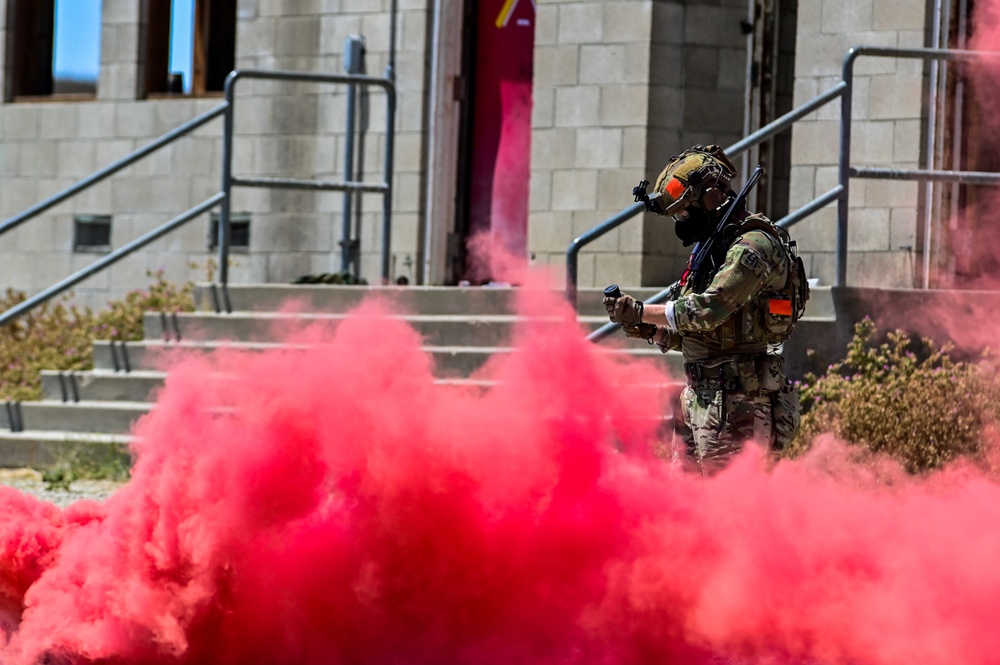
56, 48
239, 231
91, 233
190, 45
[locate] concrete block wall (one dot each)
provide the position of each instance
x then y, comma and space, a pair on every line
620, 86
699, 79
591, 88
288, 130
887, 130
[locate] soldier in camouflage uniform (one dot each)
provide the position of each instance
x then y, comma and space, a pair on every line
728, 318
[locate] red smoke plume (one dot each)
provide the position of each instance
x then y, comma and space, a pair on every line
334, 505
965, 249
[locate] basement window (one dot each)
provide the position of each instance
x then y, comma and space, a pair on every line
91, 233
190, 46
54, 49
239, 231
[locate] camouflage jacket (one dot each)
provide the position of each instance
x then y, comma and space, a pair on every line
730, 317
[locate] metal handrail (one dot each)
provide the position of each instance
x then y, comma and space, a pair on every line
840, 193
109, 259
759, 136
108, 171
229, 180
221, 198
846, 171
91, 180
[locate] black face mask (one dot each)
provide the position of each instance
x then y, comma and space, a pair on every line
696, 228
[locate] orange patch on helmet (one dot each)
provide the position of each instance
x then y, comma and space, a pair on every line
675, 188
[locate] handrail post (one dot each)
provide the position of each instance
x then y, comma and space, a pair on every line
844, 170
387, 196
572, 259
347, 200
227, 178
354, 49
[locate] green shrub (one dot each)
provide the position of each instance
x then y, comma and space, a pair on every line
58, 336
87, 461
905, 398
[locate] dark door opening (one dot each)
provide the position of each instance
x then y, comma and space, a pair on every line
495, 151
771, 89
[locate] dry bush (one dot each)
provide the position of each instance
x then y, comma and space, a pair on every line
58, 336
905, 398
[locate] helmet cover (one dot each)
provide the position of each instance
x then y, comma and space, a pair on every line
698, 173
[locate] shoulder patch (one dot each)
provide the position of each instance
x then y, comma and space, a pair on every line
759, 240
753, 262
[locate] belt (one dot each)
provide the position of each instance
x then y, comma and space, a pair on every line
741, 373
725, 375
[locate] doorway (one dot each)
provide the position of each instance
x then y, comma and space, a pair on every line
772, 27
495, 144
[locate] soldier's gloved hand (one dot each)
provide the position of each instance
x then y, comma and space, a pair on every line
646, 331
624, 309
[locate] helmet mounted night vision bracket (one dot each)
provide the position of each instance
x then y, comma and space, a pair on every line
652, 203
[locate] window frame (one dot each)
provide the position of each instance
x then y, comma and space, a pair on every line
213, 44
239, 230
87, 228
29, 56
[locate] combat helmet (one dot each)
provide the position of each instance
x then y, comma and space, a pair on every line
699, 173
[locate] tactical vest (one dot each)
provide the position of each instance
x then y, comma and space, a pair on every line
770, 317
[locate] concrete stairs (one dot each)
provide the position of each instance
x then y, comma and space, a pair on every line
462, 327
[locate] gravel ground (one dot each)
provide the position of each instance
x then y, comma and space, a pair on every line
30, 482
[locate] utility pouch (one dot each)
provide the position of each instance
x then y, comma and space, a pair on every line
770, 372
747, 370
779, 316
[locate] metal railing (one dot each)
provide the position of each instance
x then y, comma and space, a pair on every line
223, 197
109, 259
846, 171
741, 146
840, 193
229, 180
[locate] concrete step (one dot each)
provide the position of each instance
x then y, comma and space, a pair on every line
820, 304
46, 448
435, 329
450, 361
341, 298
456, 300
462, 329
426, 300
48, 423
81, 417
101, 385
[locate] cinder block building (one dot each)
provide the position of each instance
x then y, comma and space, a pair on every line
528, 121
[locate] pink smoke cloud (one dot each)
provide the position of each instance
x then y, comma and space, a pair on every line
334, 504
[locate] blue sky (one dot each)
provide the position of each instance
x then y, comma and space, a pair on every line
78, 39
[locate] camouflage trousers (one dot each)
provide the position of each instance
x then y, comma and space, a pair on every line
723, 408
